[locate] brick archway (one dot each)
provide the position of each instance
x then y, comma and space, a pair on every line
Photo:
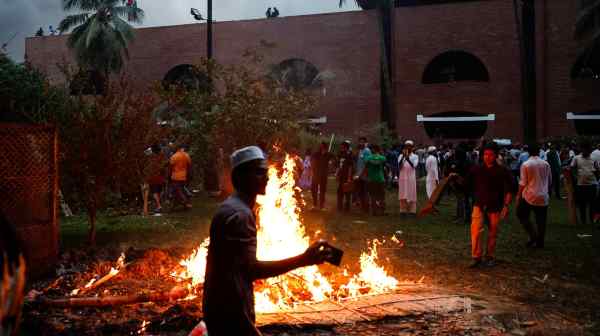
296, 73
454, 66
188, 76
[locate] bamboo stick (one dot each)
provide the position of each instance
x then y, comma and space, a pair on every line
174, 294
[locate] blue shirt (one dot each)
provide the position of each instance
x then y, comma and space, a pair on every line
361, 160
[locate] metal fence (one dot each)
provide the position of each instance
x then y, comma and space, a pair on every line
28, 189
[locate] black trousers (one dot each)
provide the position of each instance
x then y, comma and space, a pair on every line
556, 184
585, 197
377, 197
536, 233
343, 198
361, 193
318, 188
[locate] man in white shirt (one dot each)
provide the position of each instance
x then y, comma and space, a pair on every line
407, 179
596, 154
534, 195
431, 166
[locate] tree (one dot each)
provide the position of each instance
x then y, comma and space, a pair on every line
244, 107
384, 22
101, 33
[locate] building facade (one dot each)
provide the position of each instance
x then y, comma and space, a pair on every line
456, 66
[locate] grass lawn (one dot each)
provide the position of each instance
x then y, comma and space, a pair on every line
561, 279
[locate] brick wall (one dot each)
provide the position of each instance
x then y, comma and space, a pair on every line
485, 29
345, 44
561, 93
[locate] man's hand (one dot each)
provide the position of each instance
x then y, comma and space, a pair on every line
504, 212
317, 253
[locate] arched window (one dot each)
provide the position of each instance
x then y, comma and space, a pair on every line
296, 73
453, 66
187, 76
456, 125
587, 65
586, 123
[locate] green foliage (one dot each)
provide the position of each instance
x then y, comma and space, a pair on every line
25, 93
244, 107
101, 34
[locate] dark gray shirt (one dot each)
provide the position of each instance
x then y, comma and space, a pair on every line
228, 299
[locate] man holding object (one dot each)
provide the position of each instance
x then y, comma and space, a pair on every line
228, 300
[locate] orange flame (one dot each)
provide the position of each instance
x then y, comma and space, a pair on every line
281, 234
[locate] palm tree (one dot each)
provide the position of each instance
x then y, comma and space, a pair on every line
101, 33
384, 8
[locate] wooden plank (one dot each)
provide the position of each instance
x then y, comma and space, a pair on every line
436, 196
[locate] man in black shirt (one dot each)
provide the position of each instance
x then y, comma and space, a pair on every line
344, 175
320, 168
231, 267
491, 186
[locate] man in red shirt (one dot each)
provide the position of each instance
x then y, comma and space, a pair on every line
492, 187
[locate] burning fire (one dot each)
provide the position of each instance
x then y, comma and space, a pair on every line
281, 235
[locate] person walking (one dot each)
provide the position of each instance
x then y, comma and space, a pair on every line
344, 176
180, 164
553, 159
320, 168
231, 263
492, 188
155, 173
360, 174
431, 166
407, 179
375, 174
534, 195
586, 173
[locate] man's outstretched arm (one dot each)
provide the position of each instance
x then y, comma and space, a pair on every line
317, 253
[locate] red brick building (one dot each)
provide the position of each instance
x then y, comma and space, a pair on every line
455, 66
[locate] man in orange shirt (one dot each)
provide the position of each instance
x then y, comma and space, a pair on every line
180, 164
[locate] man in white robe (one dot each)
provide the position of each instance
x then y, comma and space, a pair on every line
431, 165
407, 179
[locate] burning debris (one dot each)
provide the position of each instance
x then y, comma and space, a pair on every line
177, 281
281, 235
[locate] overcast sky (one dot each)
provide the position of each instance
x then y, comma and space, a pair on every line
25, 17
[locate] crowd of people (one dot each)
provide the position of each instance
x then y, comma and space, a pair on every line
486, 179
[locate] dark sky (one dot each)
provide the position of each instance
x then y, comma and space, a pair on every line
25, 17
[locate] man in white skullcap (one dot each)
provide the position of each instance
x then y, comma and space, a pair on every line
407, 179
231, 264
431, 166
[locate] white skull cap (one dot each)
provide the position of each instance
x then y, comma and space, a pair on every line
409, 143
246, 154
431, 149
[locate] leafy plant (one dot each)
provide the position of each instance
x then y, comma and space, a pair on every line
101, 33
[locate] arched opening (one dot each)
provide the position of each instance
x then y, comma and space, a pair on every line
454, 66
587, 65
297, 74
586, 123
188, 77
88, 82
456, 125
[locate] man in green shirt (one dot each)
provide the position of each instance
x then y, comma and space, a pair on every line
375, 164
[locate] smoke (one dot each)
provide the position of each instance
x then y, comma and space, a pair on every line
25, 17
